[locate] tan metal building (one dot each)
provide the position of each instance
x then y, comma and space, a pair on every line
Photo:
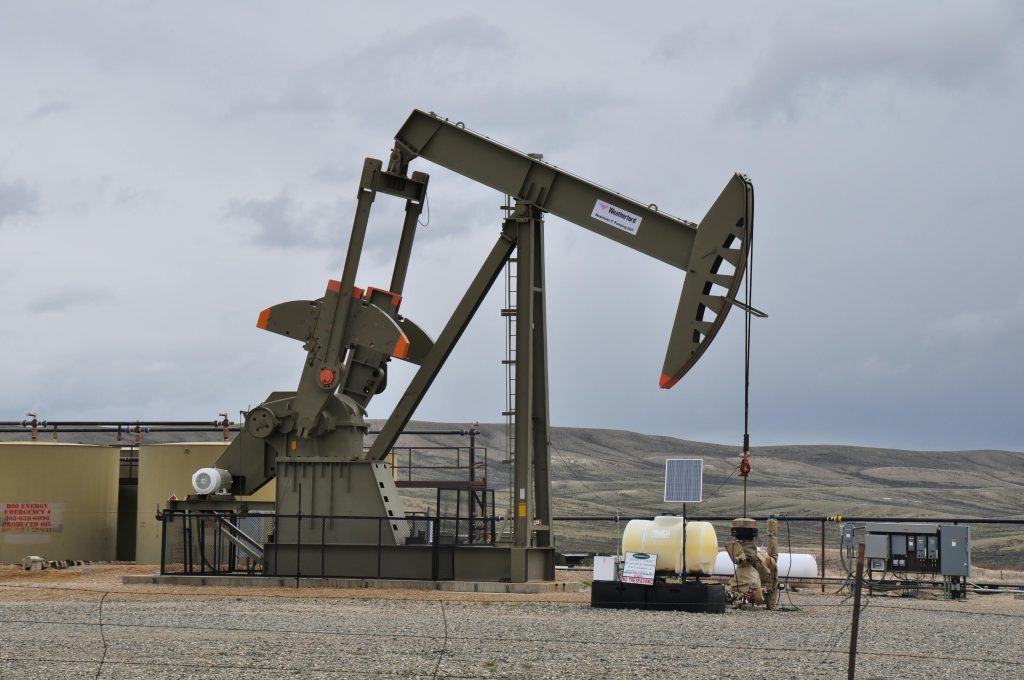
58, 501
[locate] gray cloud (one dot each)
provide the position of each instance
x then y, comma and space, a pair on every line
474, 60
360, 81
50, 108
71, 298
279, 222
299, 99
283, 221
16, 199
951, 53
336, 173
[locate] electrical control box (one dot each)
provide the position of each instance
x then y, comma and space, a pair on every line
899, 548
849, 535
955, 550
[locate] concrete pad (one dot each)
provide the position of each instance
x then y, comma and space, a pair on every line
303, 582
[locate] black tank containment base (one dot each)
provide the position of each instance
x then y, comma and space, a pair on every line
707, 598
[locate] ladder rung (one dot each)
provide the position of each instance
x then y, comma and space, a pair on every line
508, 413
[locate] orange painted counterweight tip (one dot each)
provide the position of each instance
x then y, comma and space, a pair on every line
401, 348
667, 381
264, 318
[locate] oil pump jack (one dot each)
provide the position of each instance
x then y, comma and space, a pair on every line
312, 439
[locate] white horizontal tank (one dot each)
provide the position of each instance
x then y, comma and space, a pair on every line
796, 565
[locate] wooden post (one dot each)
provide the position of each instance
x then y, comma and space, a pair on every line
852, 664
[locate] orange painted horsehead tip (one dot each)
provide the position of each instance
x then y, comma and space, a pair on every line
667, 381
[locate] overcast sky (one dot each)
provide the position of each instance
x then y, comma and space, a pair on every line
167, 170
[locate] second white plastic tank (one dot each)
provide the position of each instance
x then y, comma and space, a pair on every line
798, 565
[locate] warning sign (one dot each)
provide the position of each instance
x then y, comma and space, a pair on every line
31, 518
639, 568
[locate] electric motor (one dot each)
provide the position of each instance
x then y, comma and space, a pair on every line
209, 480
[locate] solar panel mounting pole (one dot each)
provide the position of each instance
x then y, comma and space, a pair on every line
684, 542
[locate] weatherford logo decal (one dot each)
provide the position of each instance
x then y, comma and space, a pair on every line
616, 217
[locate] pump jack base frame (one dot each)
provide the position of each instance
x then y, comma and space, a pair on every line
444, 562
246, 581
377, 559
689, 596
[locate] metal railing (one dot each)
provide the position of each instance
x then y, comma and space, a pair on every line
798, 533
300, 545
199, 542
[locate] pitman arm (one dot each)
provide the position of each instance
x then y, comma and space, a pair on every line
713, 254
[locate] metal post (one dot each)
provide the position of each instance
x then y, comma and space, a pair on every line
531, 465
298, 539
323, 545
379, 527
186, 537
201, 544
540, 413
163, 542
684, 542
435, 532
822, 556
311, 396
412, 214
232, 553
472, 477
852, 664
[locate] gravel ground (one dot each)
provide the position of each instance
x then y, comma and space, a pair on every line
51, 628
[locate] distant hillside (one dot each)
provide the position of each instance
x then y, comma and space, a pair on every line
603, 472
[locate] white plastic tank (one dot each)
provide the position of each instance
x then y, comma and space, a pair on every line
663, 536
799, 565
724, 565
803, 565
210, 480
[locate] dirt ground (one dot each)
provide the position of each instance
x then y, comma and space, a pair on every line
100, 578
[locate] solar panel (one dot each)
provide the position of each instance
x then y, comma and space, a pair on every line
684, 480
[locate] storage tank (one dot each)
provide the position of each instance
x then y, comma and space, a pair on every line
58, 501
796, 565
663, 536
